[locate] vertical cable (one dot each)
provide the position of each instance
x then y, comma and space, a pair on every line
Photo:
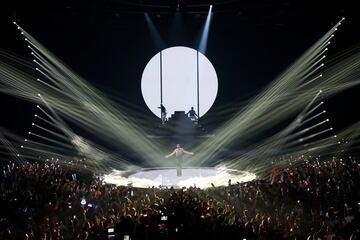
197, 70
161, 95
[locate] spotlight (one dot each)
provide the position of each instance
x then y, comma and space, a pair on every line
39, 94
335, 136
322, 102
34, 60
332, 35
331, 128
38, 79
35, 115
29, 132
327, 120
22, 146
37, 69
18, 155
335, 30
205, 32
322, 64
26, 39
343, 18
326, 49
37, 106
324, 111
32, 124
328, 42
22, 33
32, 53
320, 75
18, 28
14, 22
324, 56
25, 140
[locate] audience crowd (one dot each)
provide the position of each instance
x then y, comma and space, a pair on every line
314, 199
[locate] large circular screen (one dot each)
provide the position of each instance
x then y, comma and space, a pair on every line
175, 80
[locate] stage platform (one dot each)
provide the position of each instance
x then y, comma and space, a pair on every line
203, 177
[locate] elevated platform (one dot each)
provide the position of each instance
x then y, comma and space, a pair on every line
180, 125
201, 177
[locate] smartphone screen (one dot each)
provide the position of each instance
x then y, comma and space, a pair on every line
111, 234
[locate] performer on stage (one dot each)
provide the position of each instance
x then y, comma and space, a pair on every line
163, 113
179, 153
192, 114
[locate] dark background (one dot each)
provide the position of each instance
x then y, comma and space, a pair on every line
109, 44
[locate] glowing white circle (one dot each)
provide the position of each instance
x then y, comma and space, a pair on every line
179, 81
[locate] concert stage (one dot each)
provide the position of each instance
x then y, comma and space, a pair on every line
166, 177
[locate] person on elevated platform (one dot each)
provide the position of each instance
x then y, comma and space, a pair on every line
192, 114
179, 153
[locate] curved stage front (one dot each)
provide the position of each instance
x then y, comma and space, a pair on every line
166, 177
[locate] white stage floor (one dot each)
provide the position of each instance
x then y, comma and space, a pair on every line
166, 177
